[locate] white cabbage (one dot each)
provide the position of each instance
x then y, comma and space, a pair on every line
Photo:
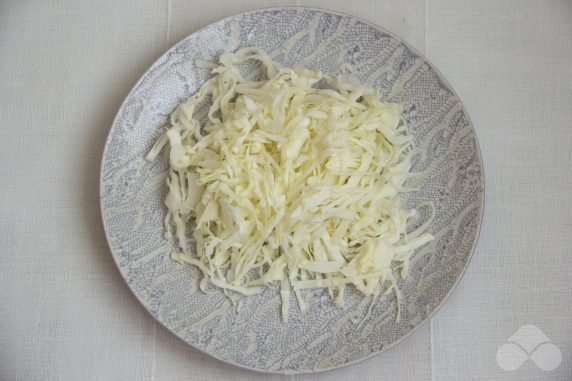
290, 183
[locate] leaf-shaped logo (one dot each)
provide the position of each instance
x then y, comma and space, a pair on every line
529, 342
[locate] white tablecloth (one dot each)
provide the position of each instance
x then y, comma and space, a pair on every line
65, 66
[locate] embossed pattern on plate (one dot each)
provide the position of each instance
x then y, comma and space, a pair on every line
251, 333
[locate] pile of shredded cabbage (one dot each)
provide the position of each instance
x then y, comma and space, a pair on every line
289, 182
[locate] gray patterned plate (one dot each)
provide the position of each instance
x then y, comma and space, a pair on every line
250, 333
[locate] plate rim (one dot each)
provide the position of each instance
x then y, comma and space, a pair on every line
402, 41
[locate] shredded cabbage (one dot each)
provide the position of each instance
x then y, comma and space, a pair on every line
289, 181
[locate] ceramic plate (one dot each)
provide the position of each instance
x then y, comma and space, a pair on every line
251, 333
